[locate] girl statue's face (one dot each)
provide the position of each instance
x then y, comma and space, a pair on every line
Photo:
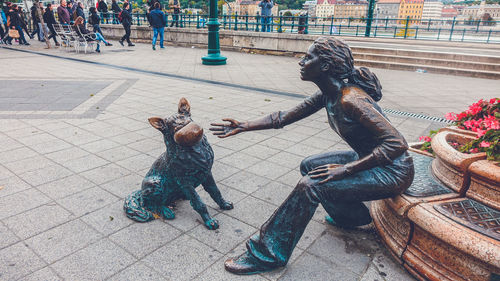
310, 65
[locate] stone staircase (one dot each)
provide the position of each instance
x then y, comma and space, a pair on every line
434, 61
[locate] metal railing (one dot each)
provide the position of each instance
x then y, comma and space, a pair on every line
431, 29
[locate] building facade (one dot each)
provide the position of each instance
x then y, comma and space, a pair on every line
325, 8
351, 9
477, 12
387, 9
432, 10
411, 9
310, 7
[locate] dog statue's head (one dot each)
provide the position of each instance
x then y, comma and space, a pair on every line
179, 127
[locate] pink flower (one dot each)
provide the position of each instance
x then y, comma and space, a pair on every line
469, 124
474, 108
451, 116
424, 138
490, 122
493, 100
484, 144
474, 150
461, 116
480, 132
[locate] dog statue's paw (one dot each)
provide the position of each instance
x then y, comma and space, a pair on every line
167, 213
212, 224
226, 205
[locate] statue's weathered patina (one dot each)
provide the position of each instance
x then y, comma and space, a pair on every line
377, 167
186, 164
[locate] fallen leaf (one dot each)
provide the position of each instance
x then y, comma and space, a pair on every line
156, 216
267, 100
1, 187
210, 98
111, 218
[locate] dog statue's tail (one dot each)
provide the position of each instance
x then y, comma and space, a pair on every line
134, 209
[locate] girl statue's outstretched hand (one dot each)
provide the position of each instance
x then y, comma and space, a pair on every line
223, 130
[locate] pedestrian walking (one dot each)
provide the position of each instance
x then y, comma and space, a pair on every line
158, 22
49, 19
3, 25
126, 20
15, 21
62, 13
5, 14
24, 24
36, 21
265, 14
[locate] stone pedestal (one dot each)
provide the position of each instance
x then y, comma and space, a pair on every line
446, 226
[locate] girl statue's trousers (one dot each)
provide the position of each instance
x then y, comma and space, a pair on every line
342, 200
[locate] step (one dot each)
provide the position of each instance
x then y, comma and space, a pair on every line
428, 54
442, 62
430, 69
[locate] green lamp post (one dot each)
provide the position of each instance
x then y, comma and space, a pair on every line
369, 17
213, 57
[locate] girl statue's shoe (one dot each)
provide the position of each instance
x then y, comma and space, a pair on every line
246, 265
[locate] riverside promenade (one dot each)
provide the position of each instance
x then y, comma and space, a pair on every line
75, 140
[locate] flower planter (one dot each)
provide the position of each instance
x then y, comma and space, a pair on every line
455, 129
450, 165
415, 147
485, 183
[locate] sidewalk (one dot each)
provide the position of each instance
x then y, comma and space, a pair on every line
75, 140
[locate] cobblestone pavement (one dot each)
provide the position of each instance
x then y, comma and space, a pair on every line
70, 152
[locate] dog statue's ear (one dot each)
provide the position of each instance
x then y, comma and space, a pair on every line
158, 123
184, 106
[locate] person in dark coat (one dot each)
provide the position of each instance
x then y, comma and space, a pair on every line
24, 24
158, 22
49, 19
95, 20
63, 14
116, 11
126, 22
36, 21
16, 23
102, 7
175, 15
79, 12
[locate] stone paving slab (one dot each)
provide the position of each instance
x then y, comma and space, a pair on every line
63, 177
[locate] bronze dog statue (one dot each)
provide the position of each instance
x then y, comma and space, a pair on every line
186, 164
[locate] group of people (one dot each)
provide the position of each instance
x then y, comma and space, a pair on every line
12, 18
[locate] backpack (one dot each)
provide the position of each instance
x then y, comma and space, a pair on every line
120, 16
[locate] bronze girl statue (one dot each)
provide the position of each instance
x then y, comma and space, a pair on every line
378, 166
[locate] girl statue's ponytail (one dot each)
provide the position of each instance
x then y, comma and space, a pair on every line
367, 81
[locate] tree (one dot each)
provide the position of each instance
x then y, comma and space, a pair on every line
287, 14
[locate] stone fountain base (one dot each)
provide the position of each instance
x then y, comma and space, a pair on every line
446, 226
